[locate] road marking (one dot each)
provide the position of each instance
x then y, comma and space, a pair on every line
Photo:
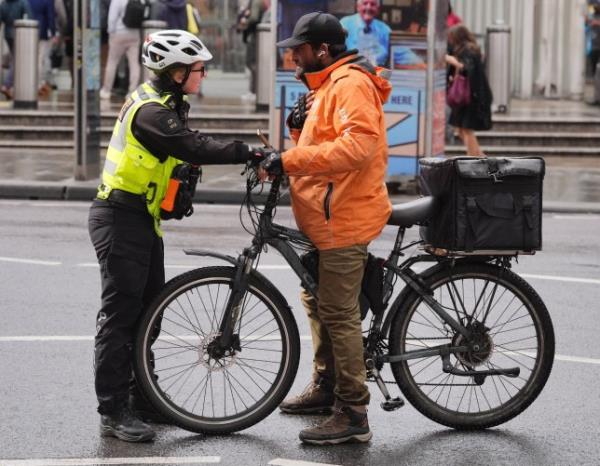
194, 266
576, 217
38, 338
49, 338
29, 261
68, 338
592, 281
562, 357
118, 461
286, 462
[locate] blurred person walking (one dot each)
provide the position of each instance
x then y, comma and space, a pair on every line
593, 23
453, 19
122, 40
44, 13
10, 11
251, 13
174, 13
467, 60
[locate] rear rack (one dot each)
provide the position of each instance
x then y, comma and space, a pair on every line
441, 252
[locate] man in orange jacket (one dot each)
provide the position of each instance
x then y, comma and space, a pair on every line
339, 198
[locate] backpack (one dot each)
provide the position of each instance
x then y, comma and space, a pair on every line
136, 12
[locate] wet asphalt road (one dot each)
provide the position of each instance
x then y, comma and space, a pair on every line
49, 294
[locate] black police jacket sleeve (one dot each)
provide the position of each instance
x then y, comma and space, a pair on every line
163, 134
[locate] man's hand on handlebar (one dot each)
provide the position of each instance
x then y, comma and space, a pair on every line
271, 166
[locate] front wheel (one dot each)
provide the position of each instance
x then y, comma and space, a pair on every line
511, 328
193, 382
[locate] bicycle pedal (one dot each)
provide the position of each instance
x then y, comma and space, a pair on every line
392, 404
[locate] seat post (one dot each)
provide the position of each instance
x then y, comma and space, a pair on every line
398, 245
392, 260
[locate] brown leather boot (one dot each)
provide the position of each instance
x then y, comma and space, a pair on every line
346, 424
317, 398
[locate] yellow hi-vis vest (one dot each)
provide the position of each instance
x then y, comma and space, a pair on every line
128, 165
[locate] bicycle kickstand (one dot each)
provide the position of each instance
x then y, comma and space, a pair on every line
390, 404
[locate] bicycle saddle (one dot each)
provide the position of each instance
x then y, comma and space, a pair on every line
410, 213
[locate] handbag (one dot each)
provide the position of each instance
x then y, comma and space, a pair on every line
459, 94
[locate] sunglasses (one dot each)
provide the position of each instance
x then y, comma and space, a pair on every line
200, 70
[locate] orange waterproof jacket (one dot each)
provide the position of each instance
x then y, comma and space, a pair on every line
337, 169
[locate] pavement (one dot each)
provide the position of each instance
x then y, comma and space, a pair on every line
572, 184
225, 185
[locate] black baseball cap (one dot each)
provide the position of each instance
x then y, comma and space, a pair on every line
318, 28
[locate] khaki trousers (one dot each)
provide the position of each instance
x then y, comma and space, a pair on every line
336, 326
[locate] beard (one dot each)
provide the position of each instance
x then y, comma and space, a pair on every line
309, 68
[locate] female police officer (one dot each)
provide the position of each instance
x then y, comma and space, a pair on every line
150, 138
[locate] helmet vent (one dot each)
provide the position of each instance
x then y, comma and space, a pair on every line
160, 46
196, 44
190, 51
155, 57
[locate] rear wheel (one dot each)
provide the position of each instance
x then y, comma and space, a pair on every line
511, 328
194, 383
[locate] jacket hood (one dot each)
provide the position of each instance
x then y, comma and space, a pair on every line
378, 75
175, 4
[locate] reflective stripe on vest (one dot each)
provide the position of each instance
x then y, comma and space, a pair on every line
128, 165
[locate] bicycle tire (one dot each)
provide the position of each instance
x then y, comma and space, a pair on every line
183, 304
416, 381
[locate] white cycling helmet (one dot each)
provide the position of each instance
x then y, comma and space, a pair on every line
172, 47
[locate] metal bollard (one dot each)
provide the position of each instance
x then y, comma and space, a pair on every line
264, 73
148, 27
26, 64
498, 65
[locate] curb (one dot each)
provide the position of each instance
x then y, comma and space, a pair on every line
60, 191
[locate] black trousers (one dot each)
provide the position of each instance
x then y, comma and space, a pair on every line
131, 258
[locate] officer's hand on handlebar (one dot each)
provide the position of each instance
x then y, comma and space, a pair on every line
271, 166
258, 155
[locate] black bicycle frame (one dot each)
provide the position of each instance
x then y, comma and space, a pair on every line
280, 237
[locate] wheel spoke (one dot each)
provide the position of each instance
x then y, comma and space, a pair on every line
207, 386
476, 299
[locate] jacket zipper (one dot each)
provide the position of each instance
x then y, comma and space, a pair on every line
327, 201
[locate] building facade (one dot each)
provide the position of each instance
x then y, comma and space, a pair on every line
547, 42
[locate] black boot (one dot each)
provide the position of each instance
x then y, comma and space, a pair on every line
124, 425
142, 408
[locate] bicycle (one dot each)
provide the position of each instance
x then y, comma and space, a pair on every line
470, 343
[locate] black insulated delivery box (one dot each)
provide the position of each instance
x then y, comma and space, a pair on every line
484, 204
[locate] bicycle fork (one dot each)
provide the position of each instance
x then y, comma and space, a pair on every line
227, 340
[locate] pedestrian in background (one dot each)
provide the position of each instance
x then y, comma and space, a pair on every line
467, 60
593, 24
44, 13
251, 13
174, 13
453, 19
10, 11
121, 41
66, 31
